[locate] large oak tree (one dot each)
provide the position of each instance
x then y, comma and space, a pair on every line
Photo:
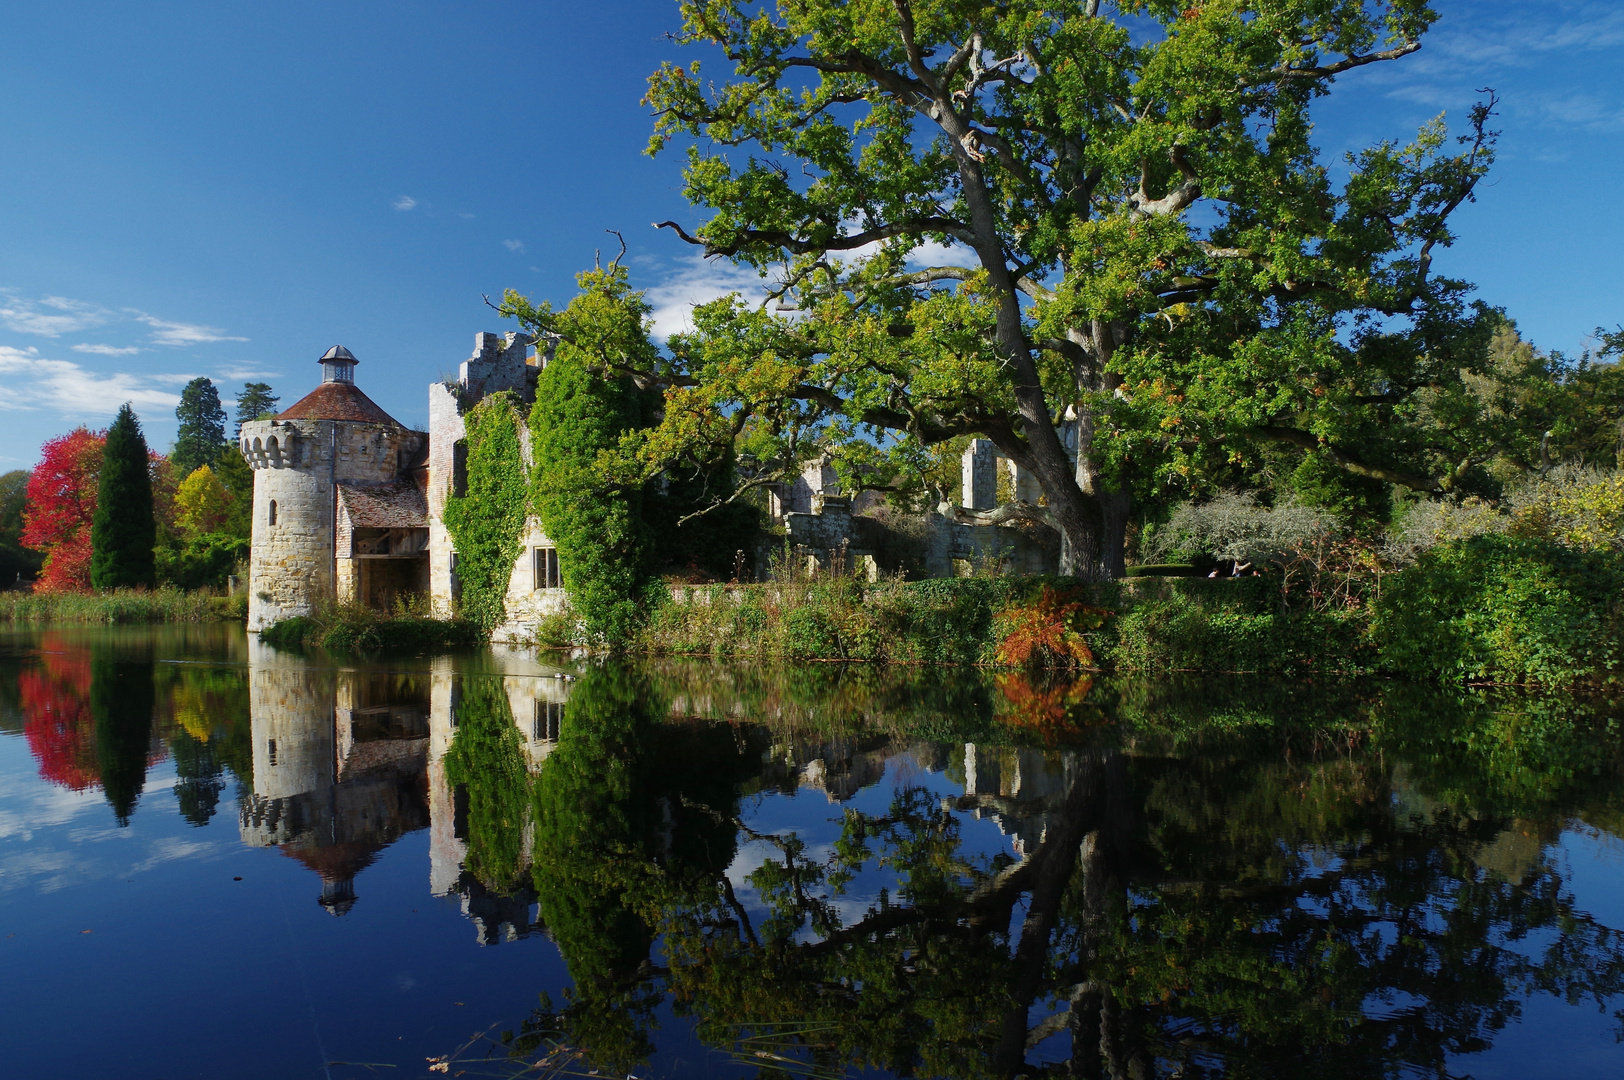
1154, 270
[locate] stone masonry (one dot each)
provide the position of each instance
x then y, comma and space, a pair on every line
333, 436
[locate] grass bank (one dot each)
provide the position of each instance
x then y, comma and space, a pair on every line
351, 629
1148, 623
1487, 609
120, 606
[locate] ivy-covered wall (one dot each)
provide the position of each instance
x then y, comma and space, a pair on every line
487, 521
588, 493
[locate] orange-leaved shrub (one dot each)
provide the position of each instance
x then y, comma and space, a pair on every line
1049, 631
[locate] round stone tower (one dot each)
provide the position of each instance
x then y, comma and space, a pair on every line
333, 436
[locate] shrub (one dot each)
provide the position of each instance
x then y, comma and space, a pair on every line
1505, 609
1048, 631
354, 629
1581, 508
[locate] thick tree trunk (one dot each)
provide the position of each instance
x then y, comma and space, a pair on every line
1113, 504
1073, 511
1097, 344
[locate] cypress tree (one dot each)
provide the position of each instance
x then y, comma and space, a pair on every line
202, 431
123, 531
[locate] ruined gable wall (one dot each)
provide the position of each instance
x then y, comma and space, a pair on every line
447, 459
499, 362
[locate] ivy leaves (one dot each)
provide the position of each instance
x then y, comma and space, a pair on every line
487, 523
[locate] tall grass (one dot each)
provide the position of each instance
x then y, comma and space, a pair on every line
119, 606
1155, 624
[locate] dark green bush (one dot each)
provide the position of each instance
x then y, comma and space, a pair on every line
201, 562
1503, 609
359, 631
290, 633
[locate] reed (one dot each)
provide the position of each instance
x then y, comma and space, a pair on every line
1142, 624
118, 606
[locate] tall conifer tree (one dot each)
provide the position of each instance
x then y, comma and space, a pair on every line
253, 401
123, 531
202, 432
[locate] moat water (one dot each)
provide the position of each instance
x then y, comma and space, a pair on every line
219, 860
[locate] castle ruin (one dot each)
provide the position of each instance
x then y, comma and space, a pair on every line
349, 505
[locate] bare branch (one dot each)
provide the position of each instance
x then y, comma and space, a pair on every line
775, 238
1020, 510
1286, 73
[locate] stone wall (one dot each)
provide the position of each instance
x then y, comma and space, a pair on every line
527, 605
291, 566
500, 362
448, 457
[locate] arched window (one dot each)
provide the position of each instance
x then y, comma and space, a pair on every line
272, 519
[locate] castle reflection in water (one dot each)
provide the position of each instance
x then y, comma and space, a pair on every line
346, 762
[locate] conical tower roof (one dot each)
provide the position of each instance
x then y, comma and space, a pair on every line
338, 398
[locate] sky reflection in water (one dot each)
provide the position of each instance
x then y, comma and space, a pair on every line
217, 859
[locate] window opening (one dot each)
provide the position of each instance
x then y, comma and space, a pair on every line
270, 750
273, 512
544, 568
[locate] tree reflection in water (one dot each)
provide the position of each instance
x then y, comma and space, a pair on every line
1204, 886
98, 712
1194, 881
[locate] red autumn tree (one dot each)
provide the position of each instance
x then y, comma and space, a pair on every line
61, 504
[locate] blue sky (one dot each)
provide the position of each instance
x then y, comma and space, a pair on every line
228, 189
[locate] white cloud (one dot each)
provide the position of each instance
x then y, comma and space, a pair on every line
165, 332
243, 374
49, 316
516, 246
53, 316
36, 382
698, 281
108, 350
405, 202
931, 254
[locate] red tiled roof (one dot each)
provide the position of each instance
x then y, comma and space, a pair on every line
399, 505
337, 401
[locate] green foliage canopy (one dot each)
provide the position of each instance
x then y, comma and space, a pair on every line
15, 560
1138, 233
587, 426
254, 402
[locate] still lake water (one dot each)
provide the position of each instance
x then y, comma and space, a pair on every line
218, 860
